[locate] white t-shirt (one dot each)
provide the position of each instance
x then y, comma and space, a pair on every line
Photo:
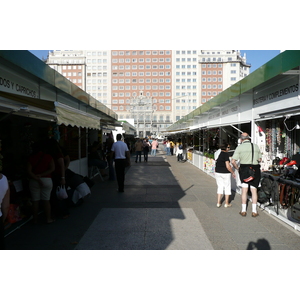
3, 190
119, 148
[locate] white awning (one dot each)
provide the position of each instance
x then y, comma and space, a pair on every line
74, 117
23, 109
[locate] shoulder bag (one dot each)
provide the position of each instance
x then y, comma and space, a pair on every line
249, 171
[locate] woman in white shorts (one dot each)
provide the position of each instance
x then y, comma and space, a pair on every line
40, 166
223, 172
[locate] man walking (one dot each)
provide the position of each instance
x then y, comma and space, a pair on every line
138, 150
243, 153
121, 154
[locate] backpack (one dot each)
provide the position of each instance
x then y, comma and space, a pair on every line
180, 147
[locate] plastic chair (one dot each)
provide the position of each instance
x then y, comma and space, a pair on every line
94, 171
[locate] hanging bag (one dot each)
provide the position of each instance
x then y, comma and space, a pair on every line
61, 192
249, 172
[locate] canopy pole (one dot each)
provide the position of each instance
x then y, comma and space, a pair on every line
238, 129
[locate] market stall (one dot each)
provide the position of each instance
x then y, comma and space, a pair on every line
38, 103
266, 105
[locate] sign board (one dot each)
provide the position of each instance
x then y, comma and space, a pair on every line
14, 83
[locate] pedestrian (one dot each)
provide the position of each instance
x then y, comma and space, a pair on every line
4, 206
244, 153
146, 148
165, 145
154, 147
179, 151
171, 147
58, 206
40, 166
168, 147
121, 155
109, 158
138, 150
223, 172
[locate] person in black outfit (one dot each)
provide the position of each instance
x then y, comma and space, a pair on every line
223, 173
146, 148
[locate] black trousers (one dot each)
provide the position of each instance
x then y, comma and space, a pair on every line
120, 165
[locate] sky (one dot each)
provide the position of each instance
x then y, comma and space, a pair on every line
256, 58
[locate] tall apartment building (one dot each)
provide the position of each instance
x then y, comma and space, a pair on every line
153, 87
186, 88
88, 69
142, 88
71, 64
219, 70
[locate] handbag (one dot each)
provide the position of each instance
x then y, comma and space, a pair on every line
14, 213
61, 192
249, 172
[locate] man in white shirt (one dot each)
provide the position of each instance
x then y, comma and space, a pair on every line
121, 155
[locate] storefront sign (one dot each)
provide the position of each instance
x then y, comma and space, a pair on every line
224, 112
280, 91
214, 116
12, 83
230, 110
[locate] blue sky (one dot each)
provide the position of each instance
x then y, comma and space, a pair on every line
256, 58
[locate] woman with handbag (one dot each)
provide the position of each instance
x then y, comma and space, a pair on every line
60, 206
40, 167
223, 174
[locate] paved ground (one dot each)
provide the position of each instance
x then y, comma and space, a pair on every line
167, 205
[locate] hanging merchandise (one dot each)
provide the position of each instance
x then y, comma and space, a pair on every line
278, 133
288, 144
56, 133
53, 132
273, 138
50, 132
268, 137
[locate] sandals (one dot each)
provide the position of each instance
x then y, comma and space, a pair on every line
226, 205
